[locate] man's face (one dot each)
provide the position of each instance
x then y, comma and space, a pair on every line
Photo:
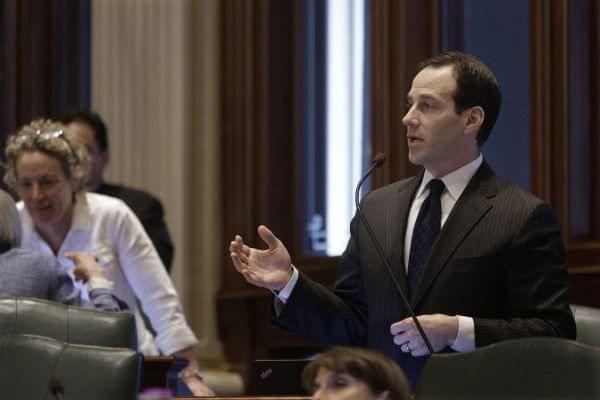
437, 136
99, 158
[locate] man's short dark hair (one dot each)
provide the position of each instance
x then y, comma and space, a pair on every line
476, 85
91, 119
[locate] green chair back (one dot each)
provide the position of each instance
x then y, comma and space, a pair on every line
69, 324
32, 366
530, 368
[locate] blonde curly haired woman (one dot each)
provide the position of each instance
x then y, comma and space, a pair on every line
47, 167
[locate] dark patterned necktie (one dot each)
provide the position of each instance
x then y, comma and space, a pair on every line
426, 231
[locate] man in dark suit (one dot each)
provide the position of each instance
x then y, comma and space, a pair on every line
91, 130
480, 259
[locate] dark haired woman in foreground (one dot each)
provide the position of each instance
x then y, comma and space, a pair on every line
344, 373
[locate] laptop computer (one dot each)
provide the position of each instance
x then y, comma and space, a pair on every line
275, 377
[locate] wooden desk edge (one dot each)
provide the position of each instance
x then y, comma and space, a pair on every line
246, 398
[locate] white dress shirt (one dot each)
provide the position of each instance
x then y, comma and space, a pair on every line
455, 183
105, 227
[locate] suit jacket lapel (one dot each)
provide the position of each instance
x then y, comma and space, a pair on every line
472, 205
397, 214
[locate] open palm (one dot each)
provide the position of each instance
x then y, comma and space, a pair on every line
269, 268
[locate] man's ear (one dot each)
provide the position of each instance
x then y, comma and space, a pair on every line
475, 116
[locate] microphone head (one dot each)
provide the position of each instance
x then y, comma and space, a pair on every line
378, 160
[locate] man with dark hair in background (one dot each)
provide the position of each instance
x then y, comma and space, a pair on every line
480, 259
91, 130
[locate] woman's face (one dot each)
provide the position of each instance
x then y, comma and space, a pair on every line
341, 386
44, 188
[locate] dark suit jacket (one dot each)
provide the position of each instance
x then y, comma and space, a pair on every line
150, 212
499, 259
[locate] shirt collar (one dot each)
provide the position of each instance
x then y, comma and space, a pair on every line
456, 181
82, 216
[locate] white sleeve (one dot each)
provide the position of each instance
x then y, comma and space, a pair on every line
465, 339
98, 282
285, 293
152, 285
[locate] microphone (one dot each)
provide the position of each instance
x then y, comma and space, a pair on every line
56, 388
377, 162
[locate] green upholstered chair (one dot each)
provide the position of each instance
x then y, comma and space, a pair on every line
31, 367
70, 324
587, 320
530, 368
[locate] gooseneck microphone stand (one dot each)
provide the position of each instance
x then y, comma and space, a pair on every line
377, 162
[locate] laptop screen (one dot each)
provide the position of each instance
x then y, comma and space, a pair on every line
275, 377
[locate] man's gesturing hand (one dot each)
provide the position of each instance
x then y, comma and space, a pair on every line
270, 268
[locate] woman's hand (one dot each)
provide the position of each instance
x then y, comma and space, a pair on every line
198, 387
195, 384
86, 266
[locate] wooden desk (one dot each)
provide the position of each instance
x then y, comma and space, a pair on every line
161, 371
247, 398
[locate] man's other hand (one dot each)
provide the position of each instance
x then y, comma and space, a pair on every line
441, 330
